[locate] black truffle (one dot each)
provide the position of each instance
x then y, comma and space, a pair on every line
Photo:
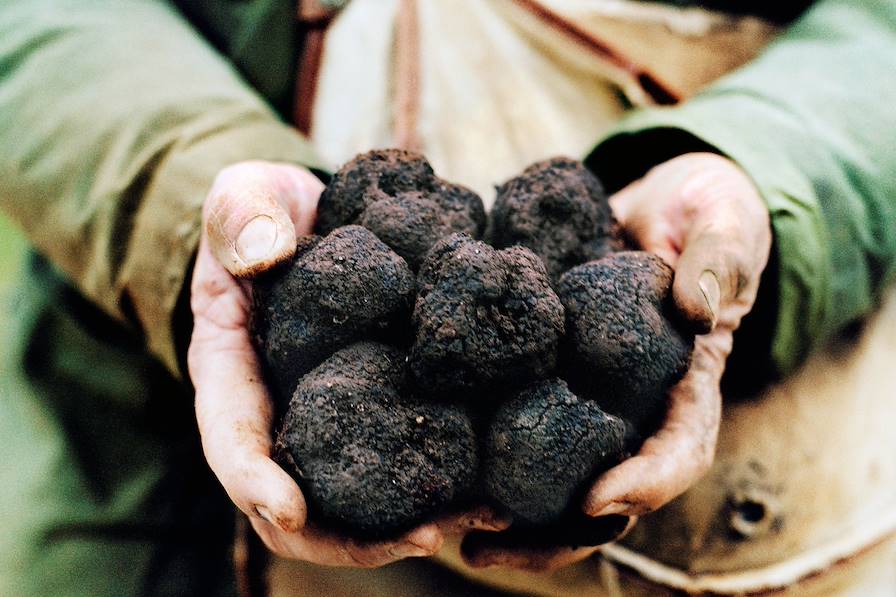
337, 290
558, 209
371, 460
544, 447
396, 195
621, 349
483, 318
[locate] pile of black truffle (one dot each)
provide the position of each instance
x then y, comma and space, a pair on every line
417, 369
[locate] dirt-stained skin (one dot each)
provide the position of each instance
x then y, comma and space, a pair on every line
484, 319
395, 194
372, 459
621, 347
339, 289
383, 379
558, 209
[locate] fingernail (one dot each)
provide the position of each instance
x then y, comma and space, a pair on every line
712, 293
257, 239
264, 514
492, 525
611, 508
487, 521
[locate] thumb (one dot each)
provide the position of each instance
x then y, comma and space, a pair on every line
709, 274
252, 213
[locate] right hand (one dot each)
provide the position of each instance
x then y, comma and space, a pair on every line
250, 221
704, 217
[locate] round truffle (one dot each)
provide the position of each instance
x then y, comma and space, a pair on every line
544, 447
337, 290
621, 349
558, 209
371, 460
483, 319
395, 194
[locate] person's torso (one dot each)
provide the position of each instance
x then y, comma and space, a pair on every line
496, 84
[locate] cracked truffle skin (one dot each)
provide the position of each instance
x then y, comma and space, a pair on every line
483, 319
371, 460
558, 209
544, 447
395, 194
621, 348
337, 290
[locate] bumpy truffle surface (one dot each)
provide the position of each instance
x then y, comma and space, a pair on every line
337, 290
371, 460
483, 318
620, 347
395, 194
558, 209
544, 447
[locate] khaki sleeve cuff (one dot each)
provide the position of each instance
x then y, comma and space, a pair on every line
167, 225
749, 138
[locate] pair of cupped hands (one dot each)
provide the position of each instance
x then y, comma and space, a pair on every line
699, 212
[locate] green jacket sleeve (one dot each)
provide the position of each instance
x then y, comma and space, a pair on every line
812, 121
114, 119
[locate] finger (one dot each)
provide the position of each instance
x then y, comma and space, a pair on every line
249, 231
545, 548
254, 212
233, 409
481, 518
681, 452
325, 548
529, 559
632, 208
711, 272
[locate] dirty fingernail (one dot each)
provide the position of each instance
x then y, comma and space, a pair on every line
257, 239
264, 514
611, 508
487, 520
489, 524
712, 292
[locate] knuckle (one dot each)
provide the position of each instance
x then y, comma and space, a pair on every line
364, 557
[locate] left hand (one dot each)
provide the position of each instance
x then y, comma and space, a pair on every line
703, 215
251, 218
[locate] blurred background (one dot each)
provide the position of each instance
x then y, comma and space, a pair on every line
12, 244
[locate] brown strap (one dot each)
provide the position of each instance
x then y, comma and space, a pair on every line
406, 106
660, 93
314, 17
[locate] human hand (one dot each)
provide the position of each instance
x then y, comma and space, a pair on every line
251, 219
701, 214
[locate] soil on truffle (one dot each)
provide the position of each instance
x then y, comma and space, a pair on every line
395, 194
483, 319
558, 209
372, 460
544, 448
337, 290
621, 348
